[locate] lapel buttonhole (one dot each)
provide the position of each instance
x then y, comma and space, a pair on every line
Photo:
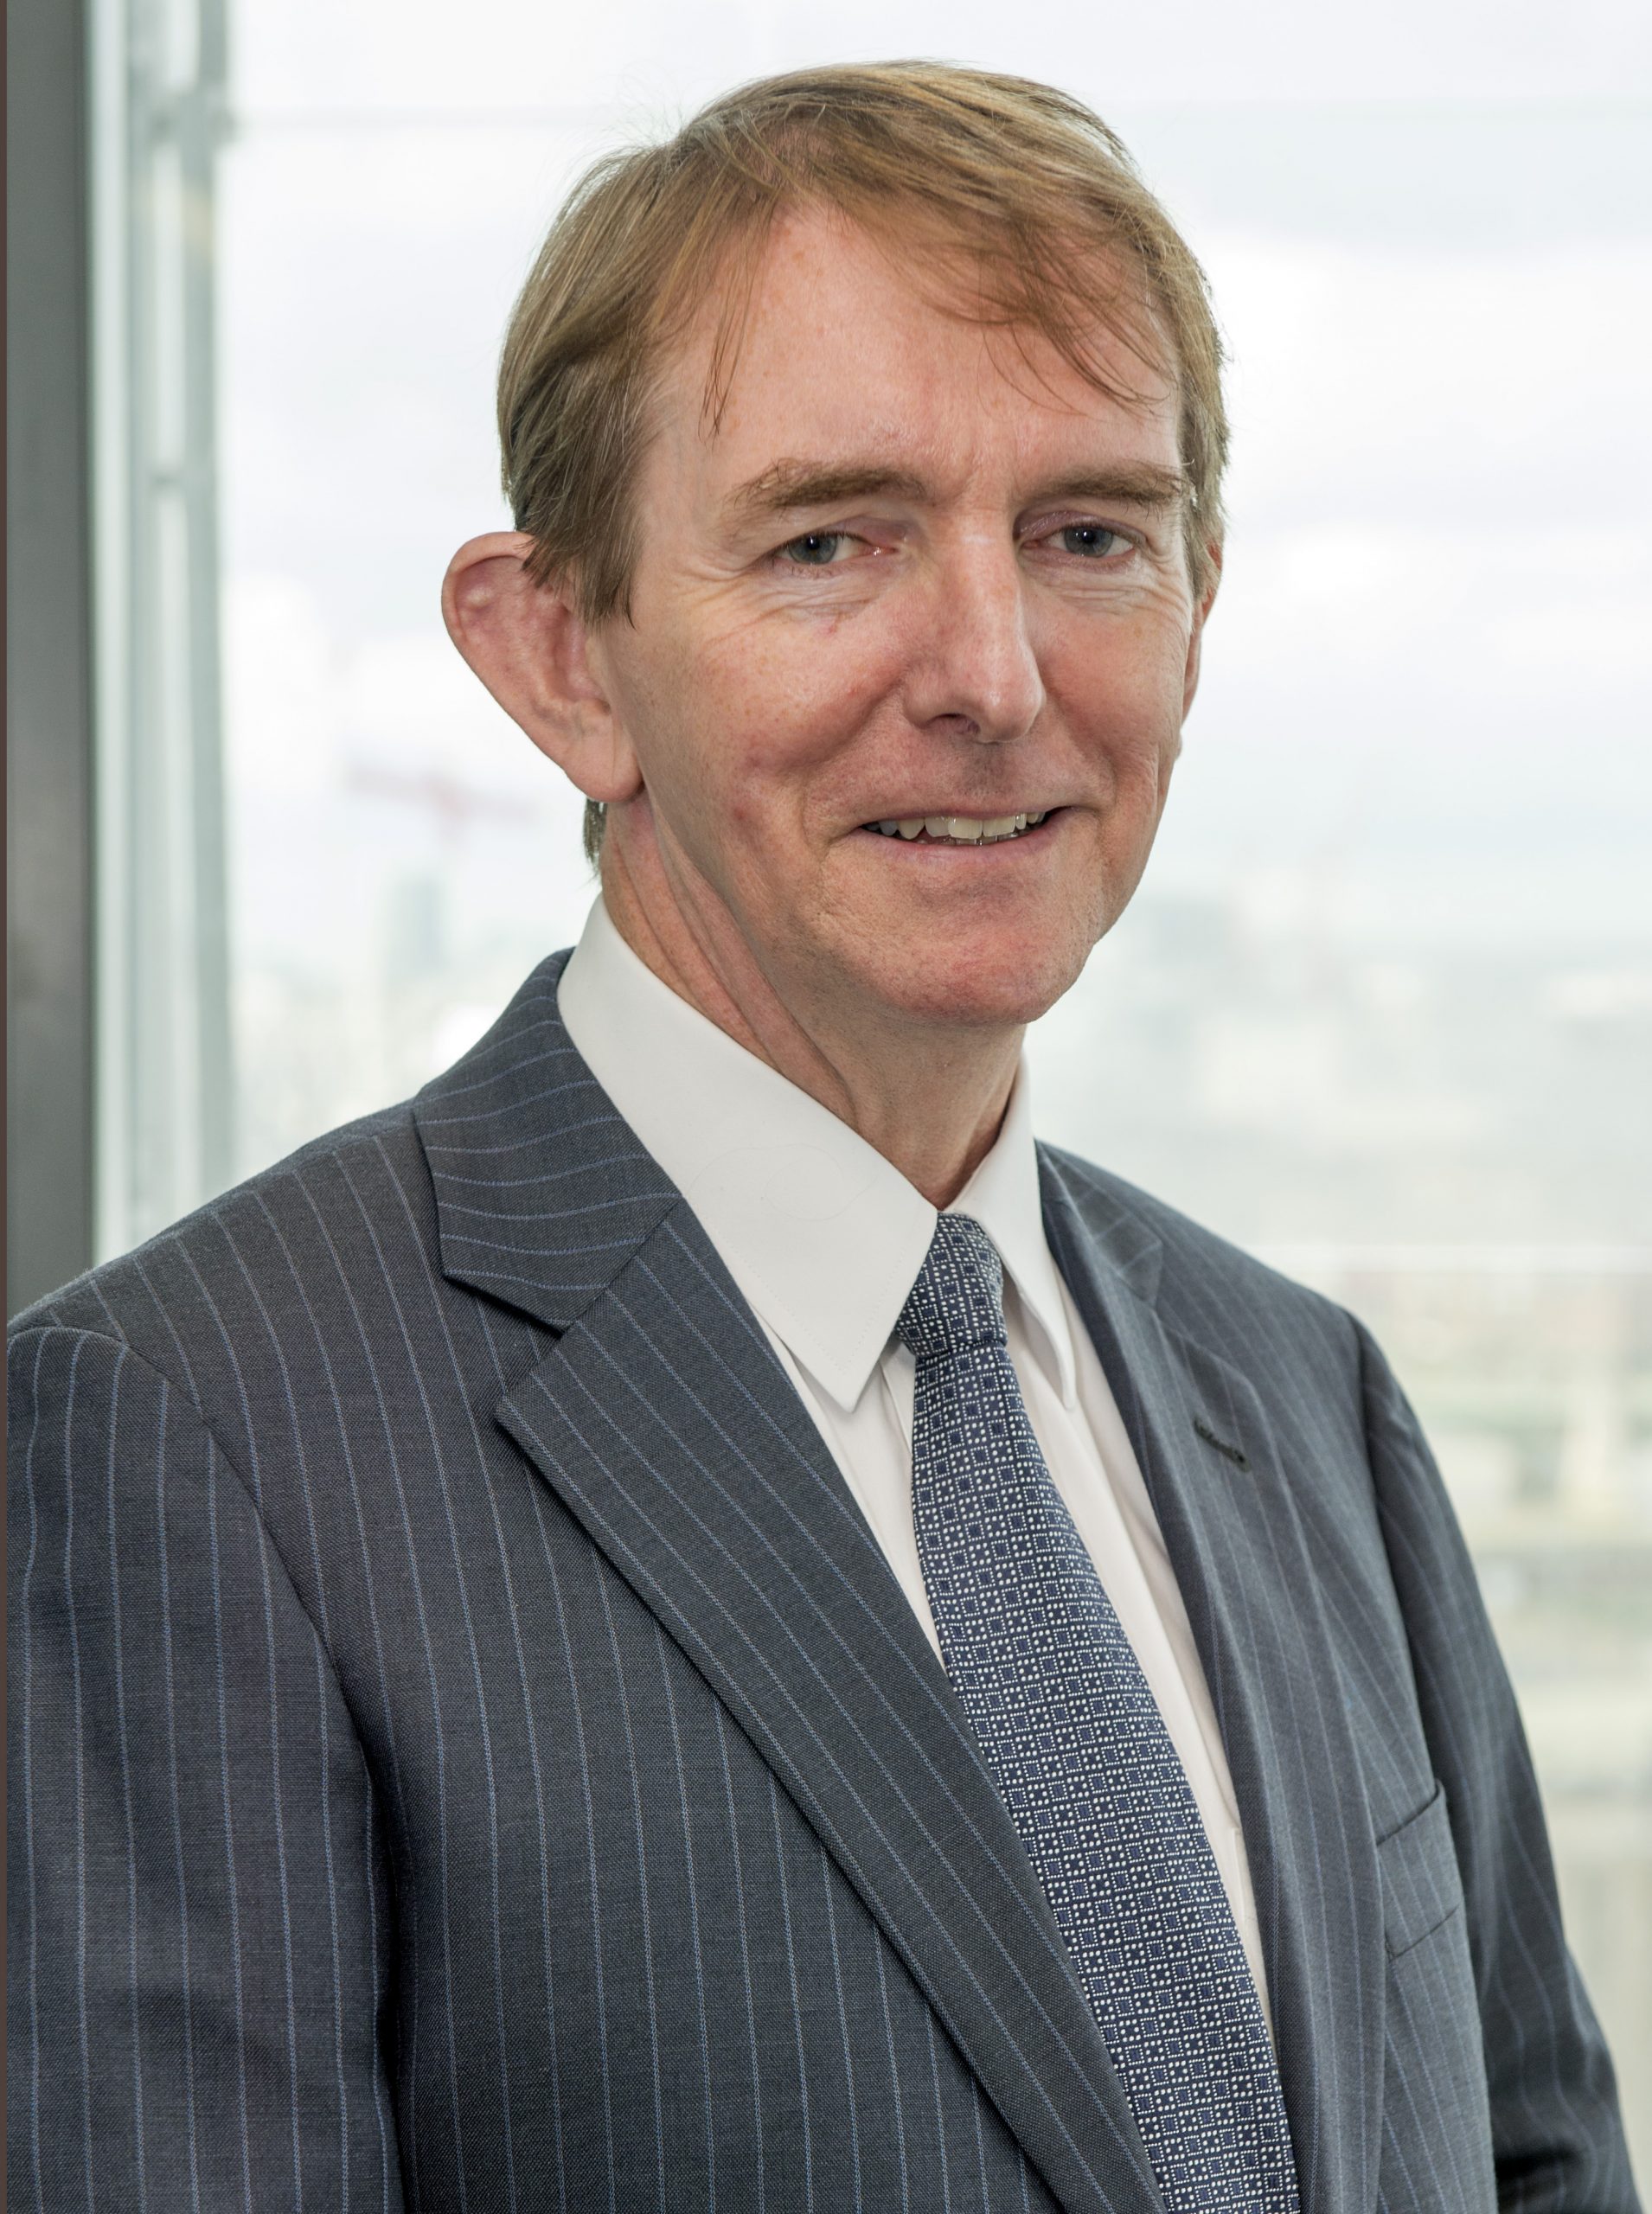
1221, 1444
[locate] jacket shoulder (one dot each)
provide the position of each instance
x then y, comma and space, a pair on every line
1201, 1283
267, 1236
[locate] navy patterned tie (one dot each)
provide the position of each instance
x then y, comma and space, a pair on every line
1075, 1738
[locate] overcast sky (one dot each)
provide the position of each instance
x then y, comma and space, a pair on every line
356, 54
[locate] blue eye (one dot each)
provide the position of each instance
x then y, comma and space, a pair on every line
815, 549
1091, 538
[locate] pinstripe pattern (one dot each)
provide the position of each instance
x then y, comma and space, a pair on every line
469, 1752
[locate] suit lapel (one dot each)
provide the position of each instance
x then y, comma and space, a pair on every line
666, 1426
1252, 1599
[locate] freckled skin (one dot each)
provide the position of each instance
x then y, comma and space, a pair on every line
975, 643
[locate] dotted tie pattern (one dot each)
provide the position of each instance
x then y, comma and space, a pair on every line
1075, 1738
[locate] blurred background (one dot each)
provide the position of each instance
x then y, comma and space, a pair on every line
1383, 1010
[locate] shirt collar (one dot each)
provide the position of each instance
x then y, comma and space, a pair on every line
822, 1234
1004, 1197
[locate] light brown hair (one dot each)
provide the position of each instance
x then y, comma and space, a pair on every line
1023, 202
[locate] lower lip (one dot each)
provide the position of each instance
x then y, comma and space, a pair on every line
933, 851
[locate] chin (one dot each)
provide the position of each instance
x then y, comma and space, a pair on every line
975, 986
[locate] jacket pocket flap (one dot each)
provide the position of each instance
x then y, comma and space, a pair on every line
1422, 1887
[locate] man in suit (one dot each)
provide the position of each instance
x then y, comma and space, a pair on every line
691, 1619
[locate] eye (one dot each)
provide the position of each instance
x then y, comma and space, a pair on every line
1093, 540
815, 548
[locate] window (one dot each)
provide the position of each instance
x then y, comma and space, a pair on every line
1383, 1010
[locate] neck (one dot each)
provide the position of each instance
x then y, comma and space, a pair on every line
931, 1101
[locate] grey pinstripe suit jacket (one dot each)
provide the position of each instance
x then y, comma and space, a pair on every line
469, 1752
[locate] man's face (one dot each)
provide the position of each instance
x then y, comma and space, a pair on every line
919, 569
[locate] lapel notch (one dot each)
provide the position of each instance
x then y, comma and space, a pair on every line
543, 1192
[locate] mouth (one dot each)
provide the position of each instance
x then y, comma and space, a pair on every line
959, 830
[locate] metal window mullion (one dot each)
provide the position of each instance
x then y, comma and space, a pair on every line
48, 668
201, 127
164, 1073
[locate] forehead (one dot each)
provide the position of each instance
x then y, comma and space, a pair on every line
853, 349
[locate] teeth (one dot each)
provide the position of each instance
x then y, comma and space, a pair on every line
959, 829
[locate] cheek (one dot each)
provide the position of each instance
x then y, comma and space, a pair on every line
1124, 706
732, 730
786, 698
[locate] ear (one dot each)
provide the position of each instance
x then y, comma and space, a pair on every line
529, 645
1196, 636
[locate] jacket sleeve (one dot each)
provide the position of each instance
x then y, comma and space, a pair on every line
1556, 2132
198, 1924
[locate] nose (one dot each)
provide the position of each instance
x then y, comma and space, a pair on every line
973, 672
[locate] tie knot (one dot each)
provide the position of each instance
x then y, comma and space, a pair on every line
958, 1299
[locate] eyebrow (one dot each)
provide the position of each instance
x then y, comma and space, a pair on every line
788, 484
1133, 484
785, 486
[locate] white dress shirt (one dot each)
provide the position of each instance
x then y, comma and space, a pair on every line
825, 1238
